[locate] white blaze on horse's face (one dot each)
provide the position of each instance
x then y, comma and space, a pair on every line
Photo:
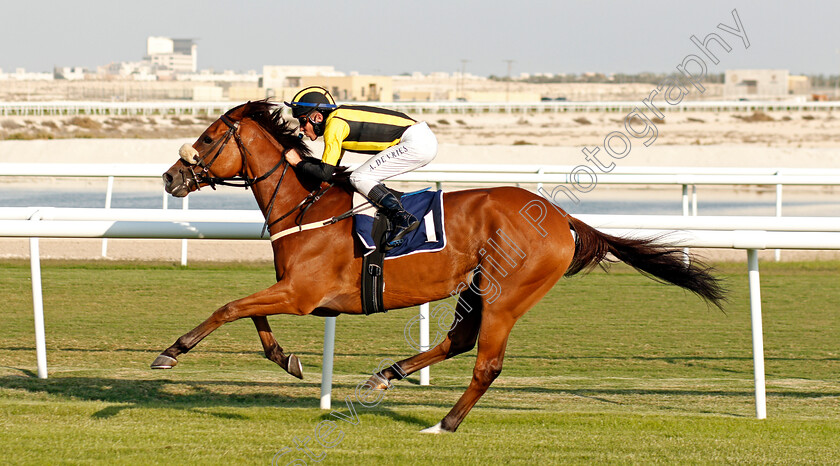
188, 154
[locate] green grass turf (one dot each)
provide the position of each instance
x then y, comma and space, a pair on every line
607, 368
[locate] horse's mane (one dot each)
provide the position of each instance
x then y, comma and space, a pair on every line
268, 115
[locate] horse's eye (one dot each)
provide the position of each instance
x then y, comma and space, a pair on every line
208, 140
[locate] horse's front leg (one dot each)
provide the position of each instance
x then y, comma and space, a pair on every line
274, 300
274, 352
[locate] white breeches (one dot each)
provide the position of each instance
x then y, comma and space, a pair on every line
417, 147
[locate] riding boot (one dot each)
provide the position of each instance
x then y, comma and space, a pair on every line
401, 221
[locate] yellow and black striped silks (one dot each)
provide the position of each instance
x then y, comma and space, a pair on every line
357, 128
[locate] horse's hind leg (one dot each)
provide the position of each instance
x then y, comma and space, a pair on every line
495, 329
497, 320
460, 339
273, 351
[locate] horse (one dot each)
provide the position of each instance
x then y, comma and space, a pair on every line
506, 248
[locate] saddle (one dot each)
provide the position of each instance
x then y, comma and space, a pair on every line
372, 229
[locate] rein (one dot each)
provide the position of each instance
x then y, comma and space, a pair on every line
310, 199
320, 223
242, 180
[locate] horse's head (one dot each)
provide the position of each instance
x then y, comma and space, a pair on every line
219, 154
215, 155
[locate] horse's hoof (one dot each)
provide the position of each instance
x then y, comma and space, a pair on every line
295, 367
435, 429
378, 382
164, 362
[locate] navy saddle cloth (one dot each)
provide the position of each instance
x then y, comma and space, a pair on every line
430, 236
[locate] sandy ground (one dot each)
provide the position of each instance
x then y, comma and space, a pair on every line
786, 140
797, 130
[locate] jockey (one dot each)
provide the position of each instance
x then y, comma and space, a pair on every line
398, 143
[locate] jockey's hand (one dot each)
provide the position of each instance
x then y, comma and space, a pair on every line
293, 157
341, 173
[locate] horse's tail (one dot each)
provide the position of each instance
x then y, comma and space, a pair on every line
650, 257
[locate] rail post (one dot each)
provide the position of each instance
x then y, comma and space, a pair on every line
778, 213
327, 363
38, 301
686, 257
757, 334
185, 205
424, 340
694, 200
109, 192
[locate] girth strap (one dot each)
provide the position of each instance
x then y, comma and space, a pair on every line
373, 269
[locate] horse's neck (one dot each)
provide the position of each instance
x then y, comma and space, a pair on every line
291, 191
265, 156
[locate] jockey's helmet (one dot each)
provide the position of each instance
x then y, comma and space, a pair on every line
310, 99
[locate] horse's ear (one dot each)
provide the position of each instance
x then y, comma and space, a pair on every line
237, 113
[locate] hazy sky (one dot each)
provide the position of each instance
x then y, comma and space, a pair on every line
396, 36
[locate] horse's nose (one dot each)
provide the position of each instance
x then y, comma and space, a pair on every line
167, 182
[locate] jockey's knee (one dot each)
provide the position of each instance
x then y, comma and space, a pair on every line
363, 182
427, 156
425, 146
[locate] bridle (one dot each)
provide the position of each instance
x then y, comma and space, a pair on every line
242, 180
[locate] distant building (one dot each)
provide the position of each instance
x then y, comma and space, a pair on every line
799, 85
70, 73
355, 88
207, 93
756, 84
276, 78
166, 59
137, 71
282, 82
227, 76
21, 74
177, 55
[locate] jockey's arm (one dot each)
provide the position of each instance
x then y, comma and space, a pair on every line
323, 170
317, 169
314, 168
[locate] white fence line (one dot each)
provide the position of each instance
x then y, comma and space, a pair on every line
245, 224
504, 174
137, 215
762, 232
495, 174
155, 170
217, 108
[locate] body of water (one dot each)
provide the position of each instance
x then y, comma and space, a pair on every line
241, 199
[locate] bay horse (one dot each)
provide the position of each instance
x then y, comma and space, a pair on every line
506, 248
